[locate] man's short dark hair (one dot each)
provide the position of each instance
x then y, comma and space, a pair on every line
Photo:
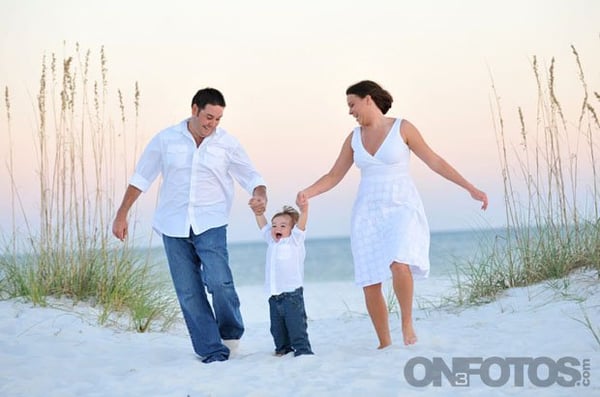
208, 96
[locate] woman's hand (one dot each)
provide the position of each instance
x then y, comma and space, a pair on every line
480, 196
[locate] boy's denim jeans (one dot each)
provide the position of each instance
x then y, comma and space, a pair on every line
288, 323
200, 261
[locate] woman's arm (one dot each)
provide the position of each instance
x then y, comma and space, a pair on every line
333, 177
417, 144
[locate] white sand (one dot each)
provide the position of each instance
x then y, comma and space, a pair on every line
61, 351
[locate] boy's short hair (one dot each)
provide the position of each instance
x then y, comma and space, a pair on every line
289, 211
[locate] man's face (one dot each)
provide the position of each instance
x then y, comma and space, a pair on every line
204, 121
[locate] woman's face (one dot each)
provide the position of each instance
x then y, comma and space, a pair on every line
357, 107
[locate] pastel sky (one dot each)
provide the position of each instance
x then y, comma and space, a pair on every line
284, 68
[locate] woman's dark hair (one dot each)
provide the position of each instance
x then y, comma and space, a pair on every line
208, 96
381, 97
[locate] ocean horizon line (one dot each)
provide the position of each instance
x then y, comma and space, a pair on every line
157, 243
347, 236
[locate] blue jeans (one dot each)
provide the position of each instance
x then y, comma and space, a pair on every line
200, 264
288, 323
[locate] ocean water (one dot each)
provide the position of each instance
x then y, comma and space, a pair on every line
330, 259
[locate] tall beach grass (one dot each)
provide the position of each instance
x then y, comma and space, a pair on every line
551, 192
67, 250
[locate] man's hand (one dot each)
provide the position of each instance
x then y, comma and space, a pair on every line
120, 227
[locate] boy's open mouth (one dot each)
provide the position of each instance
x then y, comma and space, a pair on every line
278, 236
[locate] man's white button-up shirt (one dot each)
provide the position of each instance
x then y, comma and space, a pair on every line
197, 181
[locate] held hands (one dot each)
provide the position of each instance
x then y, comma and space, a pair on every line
301, 199
258, 204
303, 205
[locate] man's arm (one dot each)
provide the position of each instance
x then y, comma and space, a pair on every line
120, 226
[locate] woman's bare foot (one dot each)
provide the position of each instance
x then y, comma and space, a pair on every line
408, 332
383, 346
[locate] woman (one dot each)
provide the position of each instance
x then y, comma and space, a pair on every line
389, 232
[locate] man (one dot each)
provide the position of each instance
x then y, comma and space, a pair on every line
198, 161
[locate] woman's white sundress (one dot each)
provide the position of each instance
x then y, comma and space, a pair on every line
388, 218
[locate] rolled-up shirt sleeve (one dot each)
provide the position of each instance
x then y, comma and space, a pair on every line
148, 166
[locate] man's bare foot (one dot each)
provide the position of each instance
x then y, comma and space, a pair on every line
408, 332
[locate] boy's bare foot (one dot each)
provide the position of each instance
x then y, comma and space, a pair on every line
408, 332
382, 346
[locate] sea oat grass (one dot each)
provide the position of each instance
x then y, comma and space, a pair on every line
594, 329
549, 232
71, 253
